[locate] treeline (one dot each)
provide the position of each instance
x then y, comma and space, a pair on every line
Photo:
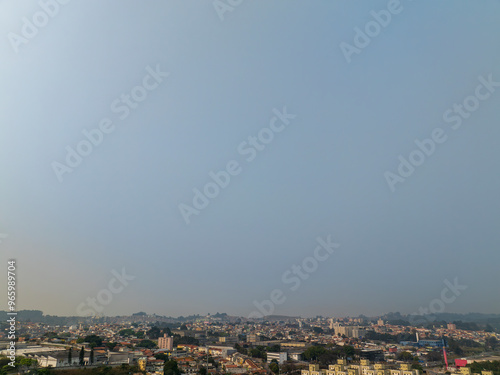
485, 366
123, 369
460, 347
387, 337
325, 355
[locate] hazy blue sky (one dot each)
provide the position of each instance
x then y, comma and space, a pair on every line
322, 175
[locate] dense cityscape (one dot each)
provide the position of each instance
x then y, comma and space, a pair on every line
155, 345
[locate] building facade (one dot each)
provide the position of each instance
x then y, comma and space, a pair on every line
363, 368
280, 357
166, 342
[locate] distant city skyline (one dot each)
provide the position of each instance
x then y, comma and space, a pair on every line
374, 317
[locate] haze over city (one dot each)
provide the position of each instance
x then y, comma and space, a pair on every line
209, 154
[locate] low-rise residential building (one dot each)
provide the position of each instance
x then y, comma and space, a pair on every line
363, 368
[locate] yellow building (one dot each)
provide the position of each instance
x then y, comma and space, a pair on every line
313, 368
363, 368
141, 362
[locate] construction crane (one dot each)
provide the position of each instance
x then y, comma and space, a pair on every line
444, 354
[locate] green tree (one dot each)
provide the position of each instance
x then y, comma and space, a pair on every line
70, 355
203, 370
240, 349
317, 330
312, 353
82, 356
93, 340
348, 351
328, 357
274, 367
171, 368
417, 366
434, 356
4, 361
386, 337
454, 347
185, 340
91, 357
161, 356
50, 335
288, 367
28, 362
258, 352
146, 344
491, 342
126, 332
153, 333
274, 348
405, 356
477, 367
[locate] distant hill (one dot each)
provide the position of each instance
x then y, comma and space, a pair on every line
27, 315
469, 321
36, 316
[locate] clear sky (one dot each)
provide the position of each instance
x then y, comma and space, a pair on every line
349, 105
